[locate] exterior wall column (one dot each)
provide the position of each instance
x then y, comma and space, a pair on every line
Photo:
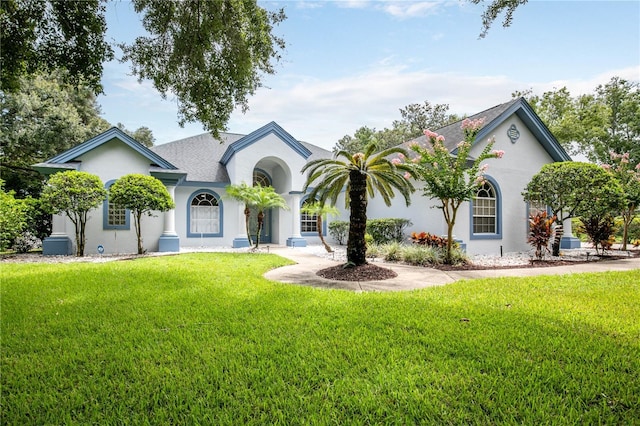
295, 240
59, 243
568, 241
169, 240
241, 240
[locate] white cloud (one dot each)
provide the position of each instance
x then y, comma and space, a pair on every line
411, 9
321, 112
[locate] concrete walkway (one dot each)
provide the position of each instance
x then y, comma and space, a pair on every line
414, 277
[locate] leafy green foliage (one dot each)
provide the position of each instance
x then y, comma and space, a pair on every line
629, 177
142, 195
593, 124
415, 118
387, 230
74, 193
150, 337
243, 193
540, 232
363, 174
209, 54
48, 35
572, 189
449, 178
44, 118
142, 134
13, 217
339, 230
494, 9
263, 198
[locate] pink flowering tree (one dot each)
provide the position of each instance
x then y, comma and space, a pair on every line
452, 179
629, 177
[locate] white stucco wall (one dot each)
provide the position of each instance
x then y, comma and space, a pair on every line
110, 161
512, 172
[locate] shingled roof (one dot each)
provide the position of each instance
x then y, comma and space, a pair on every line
493, 117
200, 155
453, 132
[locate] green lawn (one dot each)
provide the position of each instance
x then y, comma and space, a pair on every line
204, 339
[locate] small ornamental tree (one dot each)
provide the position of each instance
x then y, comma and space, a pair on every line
629, 177
264, 198
74, 193
573, 189
142, 195
320, 210
451, 179
243, 193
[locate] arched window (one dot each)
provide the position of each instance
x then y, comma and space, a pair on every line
113, 216
204, 215
308, 221
261, 178
486, 211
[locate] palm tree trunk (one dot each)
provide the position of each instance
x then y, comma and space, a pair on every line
356, 246
324, 243
260, 221
247, 220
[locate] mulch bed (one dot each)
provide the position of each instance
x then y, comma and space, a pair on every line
367, 272
371, 272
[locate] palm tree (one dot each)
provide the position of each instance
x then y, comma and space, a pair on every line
264, 198
319, 210
362, 174
244, 194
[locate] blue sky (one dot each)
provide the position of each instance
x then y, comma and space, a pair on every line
355, 63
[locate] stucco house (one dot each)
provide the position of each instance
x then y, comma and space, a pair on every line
196, 171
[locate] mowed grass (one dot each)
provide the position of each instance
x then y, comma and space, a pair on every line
205, 339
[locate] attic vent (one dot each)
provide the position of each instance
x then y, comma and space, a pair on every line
513, 133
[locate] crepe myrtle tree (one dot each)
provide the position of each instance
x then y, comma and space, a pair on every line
448, 178
629, 177
143, 195
362, 174
571, 189
74, 193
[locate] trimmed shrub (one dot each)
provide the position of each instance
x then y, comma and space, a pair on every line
26, 242
339, 230
387, 230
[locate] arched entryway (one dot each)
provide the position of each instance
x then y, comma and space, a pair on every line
272, 171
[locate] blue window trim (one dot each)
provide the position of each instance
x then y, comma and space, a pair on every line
221, 215
105, 212
315, 233
498, 234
